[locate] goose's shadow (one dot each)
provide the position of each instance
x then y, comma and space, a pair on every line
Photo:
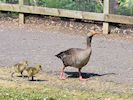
37, 80
86, 75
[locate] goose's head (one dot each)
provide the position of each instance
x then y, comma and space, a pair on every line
92, 33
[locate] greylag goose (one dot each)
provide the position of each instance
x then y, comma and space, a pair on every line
19, 68
31, 71
76, 57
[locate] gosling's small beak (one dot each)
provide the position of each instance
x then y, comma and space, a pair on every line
42, 70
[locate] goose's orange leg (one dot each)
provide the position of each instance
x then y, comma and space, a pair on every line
80, 76
62, 76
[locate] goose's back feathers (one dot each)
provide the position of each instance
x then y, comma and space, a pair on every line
75, 57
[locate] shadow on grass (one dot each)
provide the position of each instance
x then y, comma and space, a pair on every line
86, 75
25, 76
37, 80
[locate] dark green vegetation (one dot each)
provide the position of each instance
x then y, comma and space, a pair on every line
125, 7
80, 5
9, 14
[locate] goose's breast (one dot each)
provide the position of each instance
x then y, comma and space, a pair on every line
82, 58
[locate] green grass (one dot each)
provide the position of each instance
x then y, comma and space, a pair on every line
9, 14
57, 94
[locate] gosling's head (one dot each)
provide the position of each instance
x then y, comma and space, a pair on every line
39, 67
25, 63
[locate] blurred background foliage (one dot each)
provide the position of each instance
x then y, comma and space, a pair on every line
124, 7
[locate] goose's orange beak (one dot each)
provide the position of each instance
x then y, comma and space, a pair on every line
92, 32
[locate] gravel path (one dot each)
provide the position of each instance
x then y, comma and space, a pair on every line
111, 59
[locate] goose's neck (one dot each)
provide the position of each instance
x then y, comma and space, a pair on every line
89, 39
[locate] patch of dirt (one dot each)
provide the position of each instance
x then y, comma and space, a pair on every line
67, 25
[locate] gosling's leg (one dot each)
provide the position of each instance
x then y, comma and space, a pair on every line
12, 74
32, 78
29, 78
22, 75
62, 76
80, 76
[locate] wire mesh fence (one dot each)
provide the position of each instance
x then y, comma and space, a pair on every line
80, 5
125, 7
122, 7
9, 1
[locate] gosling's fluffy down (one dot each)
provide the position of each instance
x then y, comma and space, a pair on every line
31, 71
19, 68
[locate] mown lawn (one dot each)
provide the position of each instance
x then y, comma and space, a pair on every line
49, 93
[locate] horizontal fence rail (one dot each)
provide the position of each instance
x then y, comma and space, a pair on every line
67, 13
52, 11
104, 17
118, 19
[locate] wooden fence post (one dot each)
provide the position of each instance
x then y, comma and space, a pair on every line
21, 15
108, 8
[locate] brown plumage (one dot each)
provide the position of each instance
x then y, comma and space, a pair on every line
19, 68
76, 57
31, 71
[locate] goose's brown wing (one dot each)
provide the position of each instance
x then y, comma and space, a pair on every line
68, 56
69, 52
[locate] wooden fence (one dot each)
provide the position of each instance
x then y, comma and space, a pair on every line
105, 17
